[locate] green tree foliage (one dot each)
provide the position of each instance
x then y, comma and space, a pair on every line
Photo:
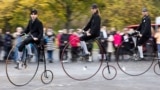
60, 14
69, 11
6, 12
119, 13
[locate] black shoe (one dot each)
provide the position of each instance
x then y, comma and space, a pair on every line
50, 61
85, 55
19, 65
141, 59
41, 60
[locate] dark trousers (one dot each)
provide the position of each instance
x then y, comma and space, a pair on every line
7, 51
74, 53
64, 53
50, 55
86, 38
25, 42
142, 40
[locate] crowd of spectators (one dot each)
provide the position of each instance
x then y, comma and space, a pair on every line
110, 39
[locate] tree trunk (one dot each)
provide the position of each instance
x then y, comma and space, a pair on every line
68, 17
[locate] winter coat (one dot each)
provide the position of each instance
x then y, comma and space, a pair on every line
35, 29
94, 25
49, 42
117, 40
8, 40
110, 47
74, 40
145, 27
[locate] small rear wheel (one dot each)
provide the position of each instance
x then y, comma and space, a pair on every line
109, 72
47, 77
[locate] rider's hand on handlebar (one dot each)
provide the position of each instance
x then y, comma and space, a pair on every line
35, 39
22, 34
140, 35
88, 34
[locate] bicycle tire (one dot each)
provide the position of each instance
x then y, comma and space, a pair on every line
77, 76
23, 76
157, 69
109, 69
133, 67
47, 77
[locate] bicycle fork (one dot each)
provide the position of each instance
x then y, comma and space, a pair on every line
108, 67
44, 59
24, 58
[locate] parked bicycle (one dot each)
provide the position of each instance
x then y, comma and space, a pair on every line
29, 65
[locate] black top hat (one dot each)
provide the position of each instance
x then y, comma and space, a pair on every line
34, 11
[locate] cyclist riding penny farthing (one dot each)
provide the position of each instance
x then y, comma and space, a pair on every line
91, 32
141, 52
20, 75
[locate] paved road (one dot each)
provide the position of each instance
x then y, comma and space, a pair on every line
148, 81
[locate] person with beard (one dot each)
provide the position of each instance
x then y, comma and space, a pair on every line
145, 31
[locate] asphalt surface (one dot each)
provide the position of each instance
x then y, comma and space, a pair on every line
147, 81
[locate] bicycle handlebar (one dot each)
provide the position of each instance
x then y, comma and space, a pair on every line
22, 34
136, 33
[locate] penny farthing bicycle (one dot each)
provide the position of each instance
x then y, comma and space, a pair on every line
28, 65
128, 58
84, 69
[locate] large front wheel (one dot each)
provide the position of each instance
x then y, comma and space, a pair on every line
81, 67
22, 73
129, 62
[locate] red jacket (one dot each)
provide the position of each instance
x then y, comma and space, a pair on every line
58, 39
74, 40
117, 40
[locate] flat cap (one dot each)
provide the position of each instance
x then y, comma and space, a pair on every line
144, 10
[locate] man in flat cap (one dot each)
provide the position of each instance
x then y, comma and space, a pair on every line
145, 31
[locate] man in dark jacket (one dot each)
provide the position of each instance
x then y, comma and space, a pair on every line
34, 30
145, 31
